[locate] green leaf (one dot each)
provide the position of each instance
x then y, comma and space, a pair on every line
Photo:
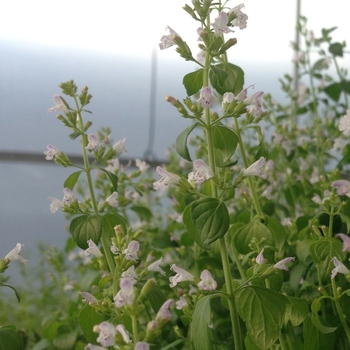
172, 345
143, 213
88, 318
72, 180
200, 331
10, 339
193, 82
109, 221
225, 143
65, 340
333, 91
278, 232
74, 135
210, 218
220, 74
311, 335
263, 312
323, 251
86, 227
181, 142
254, 229
234, 81
113, 178
156, 297
345, 85
336, 49
297, 310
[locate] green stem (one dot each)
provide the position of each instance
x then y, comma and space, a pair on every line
246, 164
282, 342
135, 329
339, 310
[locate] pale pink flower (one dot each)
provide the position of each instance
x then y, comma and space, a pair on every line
206, 98
124, 333
88, 298
281, 265
343, 187
130, 273
207, 281
141, 345
68, 196
344, 123
92, 249
202, 172
181, 275
241, 19
107, 333
131, 251
52, 152
155, 266
166, 41
142, 165
181, 303
126, 293
260, 258
14, 254
166, 178
346, 241
256, 169
164, 314
59, 105
220, 24
93, 143
112, 200
56, 203
339, 268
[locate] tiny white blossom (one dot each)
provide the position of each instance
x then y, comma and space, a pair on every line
119, 146
202, 172
166, 41
339, 268
164, 314
141, 346
241, 19
143, 166
281, 265
166, 178
206, 98
260, 258
343, 187
130, 273
220, 24
51, 152
256, 169
346, 241
112, 200
126, 293
207, 281
88, 298
14, 254
181, 303
181, 275
92, 249
107, 333
123, 332
344, 123
93, 143
59, 105
155, 266
56, 203
131, 251
68, 196
113, 165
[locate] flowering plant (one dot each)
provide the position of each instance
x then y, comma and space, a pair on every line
253, 252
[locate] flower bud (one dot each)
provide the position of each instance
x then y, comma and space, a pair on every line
147, 287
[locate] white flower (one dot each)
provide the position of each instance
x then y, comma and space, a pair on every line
107, 333
119, 146
155, 266
14, 254
141, 346
207, 281
131, 251
112, 200
164, 314
166, 41
113, 165
181, 303
166, 178
346, 241
56, 203
339, 268
281, 265
241, 19
88, 298
344, 123
130, 273
51, 152
59, 105
125, 294
68, 196
260, 258
220, 24
143, 166
256, 169
338, 143
93, 143
202, 172
317, 199
93, 249
181, 275
206, 98
343, 187
122, 331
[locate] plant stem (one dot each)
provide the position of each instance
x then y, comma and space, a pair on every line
339, 309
